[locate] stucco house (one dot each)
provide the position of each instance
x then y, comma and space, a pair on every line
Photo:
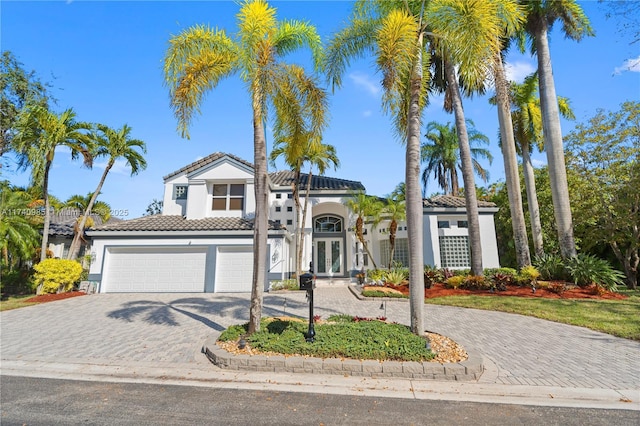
203, 240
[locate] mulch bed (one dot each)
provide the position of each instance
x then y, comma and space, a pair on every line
43, 298
572, 292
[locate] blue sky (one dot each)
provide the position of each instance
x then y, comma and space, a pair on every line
104, 60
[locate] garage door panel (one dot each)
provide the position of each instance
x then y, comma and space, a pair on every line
152, 270
234, 269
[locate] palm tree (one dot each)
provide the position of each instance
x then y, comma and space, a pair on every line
442, 156
541, 16
393, 210
200, 57
300, 107
364, 207
40, 132
527, 128
115, 144
18, 234
320, 156
467, 35
81, 204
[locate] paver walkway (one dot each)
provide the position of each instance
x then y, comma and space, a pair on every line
119, 328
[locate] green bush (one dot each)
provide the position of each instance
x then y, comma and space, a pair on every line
586, 269
551, 267
528, 276
396, 276
476, 282
349, 339
290, 284
377, 274
454, 282
17, 282
461, 272
57, 275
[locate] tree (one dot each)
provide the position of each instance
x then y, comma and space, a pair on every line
39, 133
114, 144
19, 90
18, 233
541, 16
365, 207
200, 57
394, 210
442, 156
605, 154
154, 207
300, 119
85, 219
467, 35
527, 128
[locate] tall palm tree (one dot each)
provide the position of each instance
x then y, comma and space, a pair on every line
394, 210
18, 234
467, 36
80, 204
114, 144
541, 16
300, 107
365, 207
320, 156
39, 133
527, 127
442, 155
200, 57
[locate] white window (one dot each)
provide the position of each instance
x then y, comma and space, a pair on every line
454, 252
180, 192
328, 224
228, 196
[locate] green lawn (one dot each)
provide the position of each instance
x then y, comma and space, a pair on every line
616, 317
14, 302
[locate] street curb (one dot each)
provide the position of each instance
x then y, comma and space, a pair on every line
469, 370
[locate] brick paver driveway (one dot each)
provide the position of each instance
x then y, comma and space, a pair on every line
119, 328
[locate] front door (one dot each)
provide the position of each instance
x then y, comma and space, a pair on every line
328, 257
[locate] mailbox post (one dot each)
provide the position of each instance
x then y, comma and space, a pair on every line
307, 282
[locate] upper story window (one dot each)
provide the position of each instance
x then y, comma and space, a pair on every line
463, 224
289, 208
328, 224
180, 192
443, 224
278, 195
278, 208
228, 196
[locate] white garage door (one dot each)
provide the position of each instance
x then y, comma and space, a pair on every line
155, 270
234, 269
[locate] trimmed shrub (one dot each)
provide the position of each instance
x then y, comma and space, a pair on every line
528, 276
454, 282
476, 282
57, 275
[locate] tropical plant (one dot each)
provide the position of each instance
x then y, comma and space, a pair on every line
586, 269
200, 57
454, 282
57, 275
39, 133
550, 266
528, 275
18, 231
78, 203
396, 276
541, 16
364, 207
114, 144
441, 152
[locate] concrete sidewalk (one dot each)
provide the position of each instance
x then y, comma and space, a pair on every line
158, 338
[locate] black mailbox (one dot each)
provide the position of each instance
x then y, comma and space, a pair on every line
307, 282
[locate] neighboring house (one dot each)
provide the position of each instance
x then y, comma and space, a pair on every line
62, 229
203, 240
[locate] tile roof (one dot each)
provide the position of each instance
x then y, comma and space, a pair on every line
180, 223
63, 222
205, 161
286, 177
452, 202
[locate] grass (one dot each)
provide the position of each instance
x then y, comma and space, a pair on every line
340, 336
15, 302
616, 317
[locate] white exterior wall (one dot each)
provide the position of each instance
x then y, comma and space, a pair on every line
490, 258
196, 199
170, 205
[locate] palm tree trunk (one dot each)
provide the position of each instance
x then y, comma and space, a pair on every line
260, 233
75, 244
414, 205
455, 186
532, 198
360, 235
471, 200
521, 242
393, 228
304, 215
298, 232
47, 214
553, 144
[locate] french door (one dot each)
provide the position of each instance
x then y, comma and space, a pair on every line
328, 257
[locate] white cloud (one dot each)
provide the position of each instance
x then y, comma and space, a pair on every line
367, 113
366, 82
538, 163
119, 167
517, 71
632, 65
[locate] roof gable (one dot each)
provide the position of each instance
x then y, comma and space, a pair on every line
208, 161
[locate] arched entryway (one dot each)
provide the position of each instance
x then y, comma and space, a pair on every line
329, 242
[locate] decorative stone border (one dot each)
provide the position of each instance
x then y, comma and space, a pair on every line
468, 370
